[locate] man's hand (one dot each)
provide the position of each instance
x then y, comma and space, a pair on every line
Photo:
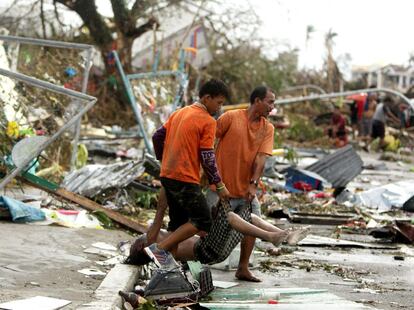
223, 193
251, 192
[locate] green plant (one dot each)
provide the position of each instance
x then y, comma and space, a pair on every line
278, 139
303, 130
146, 200
292, 156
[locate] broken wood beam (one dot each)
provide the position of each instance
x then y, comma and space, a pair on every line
93, 206
84, 202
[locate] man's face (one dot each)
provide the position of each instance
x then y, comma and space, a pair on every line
213, 104
267, 104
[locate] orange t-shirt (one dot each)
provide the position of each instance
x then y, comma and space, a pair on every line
239, 143
188, 130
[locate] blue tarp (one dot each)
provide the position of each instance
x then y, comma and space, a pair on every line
21, 212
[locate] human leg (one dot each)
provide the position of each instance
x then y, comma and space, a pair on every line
246, 249
246, 228
189, 213
293, 237
154, 229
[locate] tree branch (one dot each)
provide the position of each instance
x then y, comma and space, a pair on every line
87, 11
42, 18
57, 14
122, 16
138, 31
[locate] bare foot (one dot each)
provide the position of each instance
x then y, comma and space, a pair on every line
278, 237
274, 251
297, 235
246, 275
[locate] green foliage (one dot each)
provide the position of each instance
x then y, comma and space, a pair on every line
244, 67
292, 156
278, 139
304, 130
104, 219
146, 200
148, 305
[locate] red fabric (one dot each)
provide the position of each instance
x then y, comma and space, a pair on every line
339, 122
302, 186
360, 101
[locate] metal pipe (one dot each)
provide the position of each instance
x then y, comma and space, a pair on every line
46, 85
43, 42
151, 74
320, 89
135, 107
78, 124
60, 44
44, 145
341, 94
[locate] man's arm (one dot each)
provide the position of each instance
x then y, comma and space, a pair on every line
158, 140
208, 161
391, 115
257, 170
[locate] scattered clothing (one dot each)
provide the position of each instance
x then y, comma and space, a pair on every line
21, 212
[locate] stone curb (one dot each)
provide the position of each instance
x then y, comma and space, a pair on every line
120, 278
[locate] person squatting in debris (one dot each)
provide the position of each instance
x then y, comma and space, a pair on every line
337, 128
184, 142
379, 119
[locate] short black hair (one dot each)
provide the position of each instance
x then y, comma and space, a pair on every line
259, 92
214, 88
387, 99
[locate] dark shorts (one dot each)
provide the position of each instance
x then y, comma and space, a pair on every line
222, 238
340, 134
354, 115
186, 203
378, 130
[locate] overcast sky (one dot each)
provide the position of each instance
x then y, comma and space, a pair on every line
371, 31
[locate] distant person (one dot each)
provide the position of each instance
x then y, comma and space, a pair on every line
379, 120
337, 128
406, 115
369, 110
357, 109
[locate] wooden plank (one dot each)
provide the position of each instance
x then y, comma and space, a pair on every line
89, 205
313, 240
320, 220
93, 206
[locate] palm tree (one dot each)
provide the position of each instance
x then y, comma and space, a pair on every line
309, 30
330, 62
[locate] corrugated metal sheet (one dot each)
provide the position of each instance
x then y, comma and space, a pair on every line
92, 179
340, 167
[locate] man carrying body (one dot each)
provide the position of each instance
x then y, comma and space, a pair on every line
245, 139
184, 142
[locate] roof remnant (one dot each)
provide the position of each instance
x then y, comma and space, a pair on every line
92, 179
339, 168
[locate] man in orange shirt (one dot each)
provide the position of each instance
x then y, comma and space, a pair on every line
245, 139
184, 142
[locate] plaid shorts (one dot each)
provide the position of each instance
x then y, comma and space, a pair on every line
222, 238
